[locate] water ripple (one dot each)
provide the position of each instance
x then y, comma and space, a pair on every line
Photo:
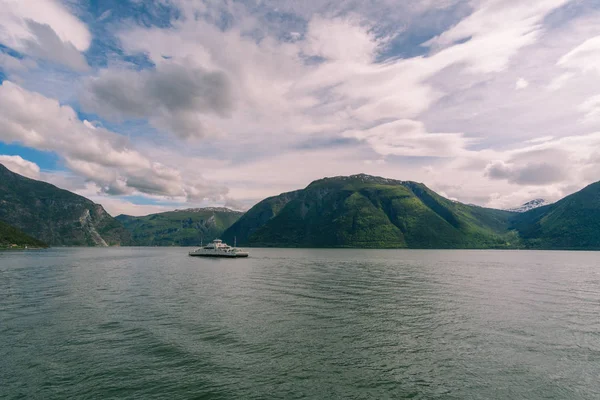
152, 324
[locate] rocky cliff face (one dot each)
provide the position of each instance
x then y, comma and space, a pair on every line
56, 216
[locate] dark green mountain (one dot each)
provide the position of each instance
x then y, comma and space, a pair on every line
181, 227
571, 223
56, 216
371, 212
11, 237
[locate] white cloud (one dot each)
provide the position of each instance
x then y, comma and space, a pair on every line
340, 40
584, 58
409, 138
49, 46
105, 15
276, 90
543, 173
591, 108
21, 166
45, 29
12, 64
494, 33
559, 81
49, 12
488, 107
560, 165
173, 97
521, 84
101, 156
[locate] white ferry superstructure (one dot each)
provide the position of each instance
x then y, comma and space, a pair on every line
218, 249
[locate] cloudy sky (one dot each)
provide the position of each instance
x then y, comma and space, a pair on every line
145, 105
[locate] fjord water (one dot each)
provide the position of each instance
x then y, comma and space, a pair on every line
153, 323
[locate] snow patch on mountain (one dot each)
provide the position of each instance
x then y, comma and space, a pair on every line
530, 205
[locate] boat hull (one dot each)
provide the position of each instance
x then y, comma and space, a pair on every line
215, 255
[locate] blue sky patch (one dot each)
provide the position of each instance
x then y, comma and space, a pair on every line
44, 159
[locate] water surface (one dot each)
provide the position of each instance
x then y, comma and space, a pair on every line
152, 323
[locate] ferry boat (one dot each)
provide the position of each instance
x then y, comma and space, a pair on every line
218, 249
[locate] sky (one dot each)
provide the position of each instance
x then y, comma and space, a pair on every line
151, 105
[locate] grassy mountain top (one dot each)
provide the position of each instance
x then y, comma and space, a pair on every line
368, 211
180, 227
358, 180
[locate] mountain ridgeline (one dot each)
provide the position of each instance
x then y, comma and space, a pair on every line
360, 211
370, 212
179, 228
56, 216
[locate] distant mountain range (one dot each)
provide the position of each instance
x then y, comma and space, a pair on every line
530, 205
180, 227
348, 211
56, 216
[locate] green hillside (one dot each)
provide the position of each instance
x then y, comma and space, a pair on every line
56, 216
11, 237
571, 223
179, 228
370, 212
257, 217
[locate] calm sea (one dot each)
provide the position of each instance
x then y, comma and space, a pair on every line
153, 323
